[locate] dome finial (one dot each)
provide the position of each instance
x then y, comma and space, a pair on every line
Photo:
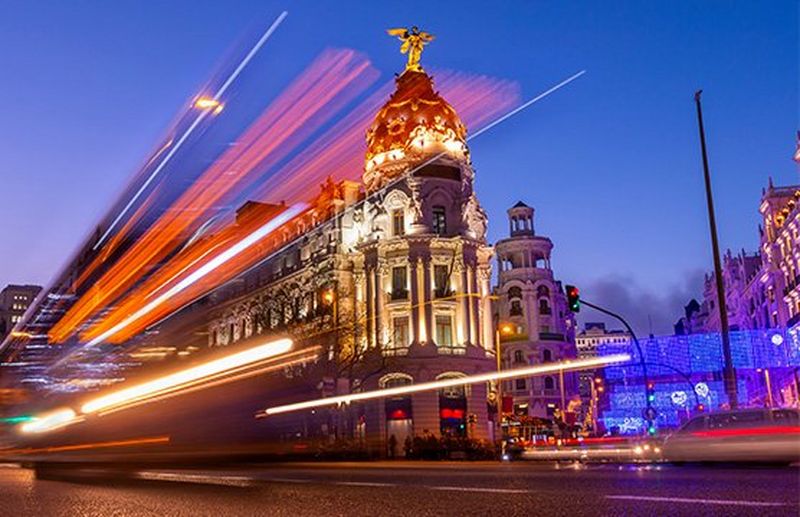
413, 40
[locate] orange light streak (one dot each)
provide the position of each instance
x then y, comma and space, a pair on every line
157, 440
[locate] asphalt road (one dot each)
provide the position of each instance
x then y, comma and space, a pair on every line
406, 489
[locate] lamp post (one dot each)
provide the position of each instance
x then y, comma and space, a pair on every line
729, 374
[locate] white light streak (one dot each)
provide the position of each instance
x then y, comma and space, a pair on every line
205, 269
566, 366
194, 374
194, 125
50, 421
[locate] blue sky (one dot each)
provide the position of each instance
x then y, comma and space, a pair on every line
611, 163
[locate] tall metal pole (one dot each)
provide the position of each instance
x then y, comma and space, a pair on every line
729, 374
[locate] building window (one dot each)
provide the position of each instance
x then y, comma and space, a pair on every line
547, 356
439, 220
544, 307
399, 291
521, 385
549, 383
516, 308
398, 223
400, 332
444, 331
441, 277
518, 356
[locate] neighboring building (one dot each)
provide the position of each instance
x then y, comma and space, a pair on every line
534, 323
595, 335
14, 301
394, 284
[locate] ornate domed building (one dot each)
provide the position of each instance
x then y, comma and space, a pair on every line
395, 286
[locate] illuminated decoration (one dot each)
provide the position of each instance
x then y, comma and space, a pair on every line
679, 398
50, 421
188, 377
701, 388
776, 339
515, 373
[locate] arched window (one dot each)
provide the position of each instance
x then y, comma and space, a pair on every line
547, 356
549, 383
542, 291
395, 380
519, 357
516, 308
544, 307
514, 292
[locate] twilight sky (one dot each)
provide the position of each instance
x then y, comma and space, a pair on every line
611, 163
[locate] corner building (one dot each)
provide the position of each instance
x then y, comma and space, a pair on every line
393, 282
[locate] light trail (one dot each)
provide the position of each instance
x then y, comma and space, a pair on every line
203, 270
197, 121
156, 440
188, 376
580, 364
228, 376
50, 421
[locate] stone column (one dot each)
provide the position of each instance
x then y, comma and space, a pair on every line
370, 326
415, 321
426, 298
465, 306
425, 406
474, 301
379, 302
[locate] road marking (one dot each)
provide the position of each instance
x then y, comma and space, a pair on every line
361, 483
196, 478
288, 480
480, 489
732, 502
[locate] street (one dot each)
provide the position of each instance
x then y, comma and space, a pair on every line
407, 488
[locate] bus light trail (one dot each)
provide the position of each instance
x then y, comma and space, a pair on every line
51, 421
188, 376
277, 363
205, 269
156, 440
566, 366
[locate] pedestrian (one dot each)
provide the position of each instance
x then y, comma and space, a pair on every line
392, 447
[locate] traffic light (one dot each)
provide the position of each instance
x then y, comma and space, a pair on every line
573, 298
651, 430
651, 392
701, 408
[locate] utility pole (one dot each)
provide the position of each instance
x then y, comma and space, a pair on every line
729, 374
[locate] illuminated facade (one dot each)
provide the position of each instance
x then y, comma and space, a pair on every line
394, 283
14, 301
533, 321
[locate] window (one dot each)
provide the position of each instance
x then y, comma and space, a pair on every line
439, 220
521, 385
733, 420
544, 307
547, 356
516, 308
444, 331
398, 223
399, 291
400, 332
441, 276
549, 383
519, 357
543, 291
695, 424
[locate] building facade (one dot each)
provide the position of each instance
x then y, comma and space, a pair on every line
391, 278
14, 301
533, 321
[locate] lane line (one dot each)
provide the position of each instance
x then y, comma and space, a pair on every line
196, 478
481, 489
362, 483
732, 502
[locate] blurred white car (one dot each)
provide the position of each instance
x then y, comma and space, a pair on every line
752, 435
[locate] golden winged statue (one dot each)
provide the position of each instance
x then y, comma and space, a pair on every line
413, 41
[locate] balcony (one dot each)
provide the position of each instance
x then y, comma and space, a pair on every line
552, 336
451, 350
394, 351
